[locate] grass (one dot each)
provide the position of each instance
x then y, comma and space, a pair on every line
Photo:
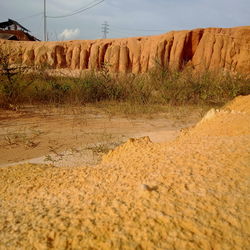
29, 140
144, 91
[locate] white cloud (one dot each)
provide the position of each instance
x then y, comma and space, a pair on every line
125, 16
69, 34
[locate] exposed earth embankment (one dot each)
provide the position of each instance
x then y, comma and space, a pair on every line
202, 49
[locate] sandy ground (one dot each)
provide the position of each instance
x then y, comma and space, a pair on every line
188, 193
80, 135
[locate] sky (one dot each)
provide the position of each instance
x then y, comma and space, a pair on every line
125, 18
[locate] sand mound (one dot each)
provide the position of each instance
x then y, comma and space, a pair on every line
240, 104
222, 123
231, 120
131, 147
192, 193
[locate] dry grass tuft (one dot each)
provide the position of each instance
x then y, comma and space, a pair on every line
160, 86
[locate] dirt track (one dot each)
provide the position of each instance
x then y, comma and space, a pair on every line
191, 193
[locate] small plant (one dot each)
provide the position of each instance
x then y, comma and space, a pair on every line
11, 80
9, 141
49, 159
27, 139
31, 144
99, 149
54, 150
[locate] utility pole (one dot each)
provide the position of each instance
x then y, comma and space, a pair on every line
105, 29
45, 22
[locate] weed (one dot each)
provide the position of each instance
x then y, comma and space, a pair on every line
54, 150
11, 80
22, 137
159, 86
9, 141
49, 159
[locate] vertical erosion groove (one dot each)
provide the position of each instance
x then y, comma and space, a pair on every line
129, 69
136, 63
124, 59
84, 58
107, 56
54, 58
102, 53
41, 57
168, 49
191, 43
60, 57
87, 56
75, 61
68, 51
28, 57
114, 58
51, 61
187, 50
94, 57
160, 54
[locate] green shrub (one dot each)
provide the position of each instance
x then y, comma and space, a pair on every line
158, 86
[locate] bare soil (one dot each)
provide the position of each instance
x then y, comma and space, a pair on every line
191, 192
80, 135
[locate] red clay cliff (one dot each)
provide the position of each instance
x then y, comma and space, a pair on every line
201, 49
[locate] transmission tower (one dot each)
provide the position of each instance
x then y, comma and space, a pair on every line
105, 29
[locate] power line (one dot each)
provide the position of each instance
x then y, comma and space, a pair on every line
87, 7
105, 29
78, 11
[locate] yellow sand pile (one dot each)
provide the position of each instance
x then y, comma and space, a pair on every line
192, 193
240, 104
